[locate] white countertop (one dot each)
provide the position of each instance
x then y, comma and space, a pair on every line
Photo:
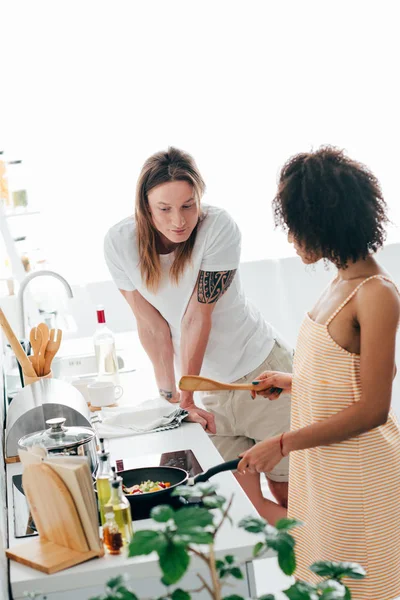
230, 540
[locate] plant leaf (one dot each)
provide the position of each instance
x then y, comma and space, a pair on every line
301, 591
162, 513
179, 594
348, 594
233, 597
196, 535
258, 548
145, 542
229, 559
174, 561
283, 544
287, 560
115, 582
236, 573
199, 490
337, 570
124, 594
332, 590
253, 524
267, 597
222, 572
191, 517
285, 524
214, 501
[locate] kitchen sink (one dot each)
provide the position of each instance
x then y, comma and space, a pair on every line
67, 367
82, 365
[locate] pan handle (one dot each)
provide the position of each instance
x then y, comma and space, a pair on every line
231, 465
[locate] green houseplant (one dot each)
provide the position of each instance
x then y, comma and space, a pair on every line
192, 531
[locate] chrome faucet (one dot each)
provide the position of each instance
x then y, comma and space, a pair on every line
22, 288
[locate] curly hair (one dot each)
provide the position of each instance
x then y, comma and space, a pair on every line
331, 205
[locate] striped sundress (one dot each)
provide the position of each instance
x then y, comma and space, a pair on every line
347, 494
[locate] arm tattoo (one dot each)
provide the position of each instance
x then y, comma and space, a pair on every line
212, 285
166, 394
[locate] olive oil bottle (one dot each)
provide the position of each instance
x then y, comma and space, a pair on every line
121, 508
103, 484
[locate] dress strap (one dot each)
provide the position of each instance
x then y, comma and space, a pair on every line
354, 292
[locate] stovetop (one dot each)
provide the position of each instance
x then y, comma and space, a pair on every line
23, 522
184, 459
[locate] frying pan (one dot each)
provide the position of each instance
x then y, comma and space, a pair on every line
141, 504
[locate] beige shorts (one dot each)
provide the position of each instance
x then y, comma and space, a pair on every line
242, 422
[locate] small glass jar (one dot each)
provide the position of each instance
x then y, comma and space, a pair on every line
112, 537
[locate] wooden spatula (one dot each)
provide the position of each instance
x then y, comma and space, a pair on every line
35, 338
44, 330
16, 346
53, 345
195, 383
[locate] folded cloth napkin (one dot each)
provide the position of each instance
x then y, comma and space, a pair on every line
124, 421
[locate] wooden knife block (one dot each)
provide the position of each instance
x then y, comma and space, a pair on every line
62, 542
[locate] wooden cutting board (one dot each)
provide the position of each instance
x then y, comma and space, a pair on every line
62, 542
53, 509
48, 557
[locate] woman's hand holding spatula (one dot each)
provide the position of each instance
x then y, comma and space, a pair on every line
195, 383
271, 384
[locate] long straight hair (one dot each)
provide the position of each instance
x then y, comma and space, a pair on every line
162, 167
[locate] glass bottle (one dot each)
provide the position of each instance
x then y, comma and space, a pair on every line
103, 476
121, 508
112, 537
104, 347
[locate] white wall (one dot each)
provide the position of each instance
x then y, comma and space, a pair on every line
93, 88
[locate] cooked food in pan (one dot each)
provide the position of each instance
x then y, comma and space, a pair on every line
146, 487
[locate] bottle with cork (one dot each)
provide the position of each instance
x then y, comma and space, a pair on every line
104, 346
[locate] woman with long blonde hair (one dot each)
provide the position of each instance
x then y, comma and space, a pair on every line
175, 262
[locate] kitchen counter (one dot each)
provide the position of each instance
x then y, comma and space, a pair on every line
87, 579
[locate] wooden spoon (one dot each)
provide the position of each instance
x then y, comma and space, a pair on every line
16, 346
35, 338
195, 383
52, 348
42, 327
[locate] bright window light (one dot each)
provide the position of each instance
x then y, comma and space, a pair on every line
91, 89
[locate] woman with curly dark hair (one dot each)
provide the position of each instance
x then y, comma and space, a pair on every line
344, 442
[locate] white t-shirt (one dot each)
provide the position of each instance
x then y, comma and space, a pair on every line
240, 339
